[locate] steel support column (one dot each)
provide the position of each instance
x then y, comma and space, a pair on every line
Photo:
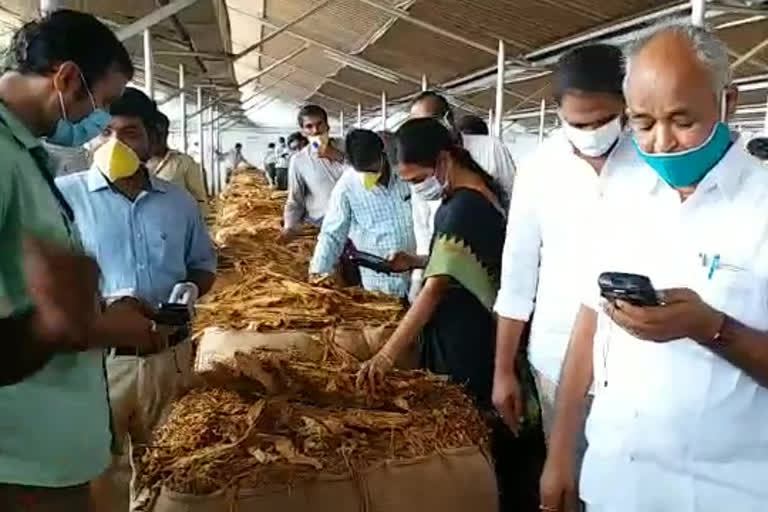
424, 83
48, 6
497, 131
341, 123
490, 119
212, 155
542, 117
149, 78
183, 107
153, 18
383, 110
359, 115
698, 12
200, 143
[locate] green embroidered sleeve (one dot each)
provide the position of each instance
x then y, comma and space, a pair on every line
452, 257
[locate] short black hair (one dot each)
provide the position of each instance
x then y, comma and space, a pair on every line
364, 149
238, 145
472, 125
66, 35
162, 123
297, 137
134, 103
594, 68
311, 111
281, 140
271, 145
758, 147
443, 109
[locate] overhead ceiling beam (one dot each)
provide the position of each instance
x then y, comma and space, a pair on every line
407, 17
153, 18
298, 19
253, 78
319, 76
751, 53
314, 42
754, 62
737, 9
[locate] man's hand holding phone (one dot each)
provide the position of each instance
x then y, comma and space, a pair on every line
677, 313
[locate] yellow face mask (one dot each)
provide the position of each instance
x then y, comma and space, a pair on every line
116, 160
370, 179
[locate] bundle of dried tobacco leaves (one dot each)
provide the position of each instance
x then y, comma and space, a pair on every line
267, 286
282, 421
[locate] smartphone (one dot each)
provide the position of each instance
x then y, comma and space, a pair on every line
371, 261
633, 288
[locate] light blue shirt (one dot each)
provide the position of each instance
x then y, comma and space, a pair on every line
144, 246
378, 221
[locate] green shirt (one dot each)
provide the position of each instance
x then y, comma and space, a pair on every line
54, 425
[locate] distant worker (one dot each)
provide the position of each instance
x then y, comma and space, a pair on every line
173, 166
147, 236
312, 173
233, 159
269, 163
370, 206
282, 157
472, 125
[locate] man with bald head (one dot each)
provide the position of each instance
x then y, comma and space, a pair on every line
679, 420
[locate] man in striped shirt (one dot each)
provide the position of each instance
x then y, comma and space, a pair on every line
370, 206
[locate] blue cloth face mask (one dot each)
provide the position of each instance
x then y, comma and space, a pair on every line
72, 134
686, 168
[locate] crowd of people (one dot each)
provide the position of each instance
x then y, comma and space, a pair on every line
593, 400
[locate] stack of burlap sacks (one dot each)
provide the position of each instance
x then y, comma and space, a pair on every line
276, 421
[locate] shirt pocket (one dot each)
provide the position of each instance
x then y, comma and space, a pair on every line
738, 290
167, 249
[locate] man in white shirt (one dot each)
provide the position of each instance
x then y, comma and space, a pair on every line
270, 158
312, 173
679, 420
490, 152
549, 222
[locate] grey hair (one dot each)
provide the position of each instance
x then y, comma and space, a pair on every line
710, 50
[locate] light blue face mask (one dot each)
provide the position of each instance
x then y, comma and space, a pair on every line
76, 134
688, 167
72, 134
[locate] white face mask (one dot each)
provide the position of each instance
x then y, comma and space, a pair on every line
430, 189
596, 142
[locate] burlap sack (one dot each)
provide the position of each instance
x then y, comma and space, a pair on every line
219, 345
456, 481
366, 342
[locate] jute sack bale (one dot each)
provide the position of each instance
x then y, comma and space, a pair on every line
220, 345
364, 343
458, 480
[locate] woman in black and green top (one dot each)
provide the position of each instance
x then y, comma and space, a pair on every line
454, 310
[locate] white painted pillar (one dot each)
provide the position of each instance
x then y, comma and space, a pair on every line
383, 110
359, 115
542, 116
201, 142
48, 6
149, 76
341, 123
499, 90
491, 126
211, 114
183, 109
424, 83
698, 12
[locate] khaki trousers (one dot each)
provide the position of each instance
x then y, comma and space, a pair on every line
141, 390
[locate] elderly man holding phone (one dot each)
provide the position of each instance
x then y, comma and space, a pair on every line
680, 413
